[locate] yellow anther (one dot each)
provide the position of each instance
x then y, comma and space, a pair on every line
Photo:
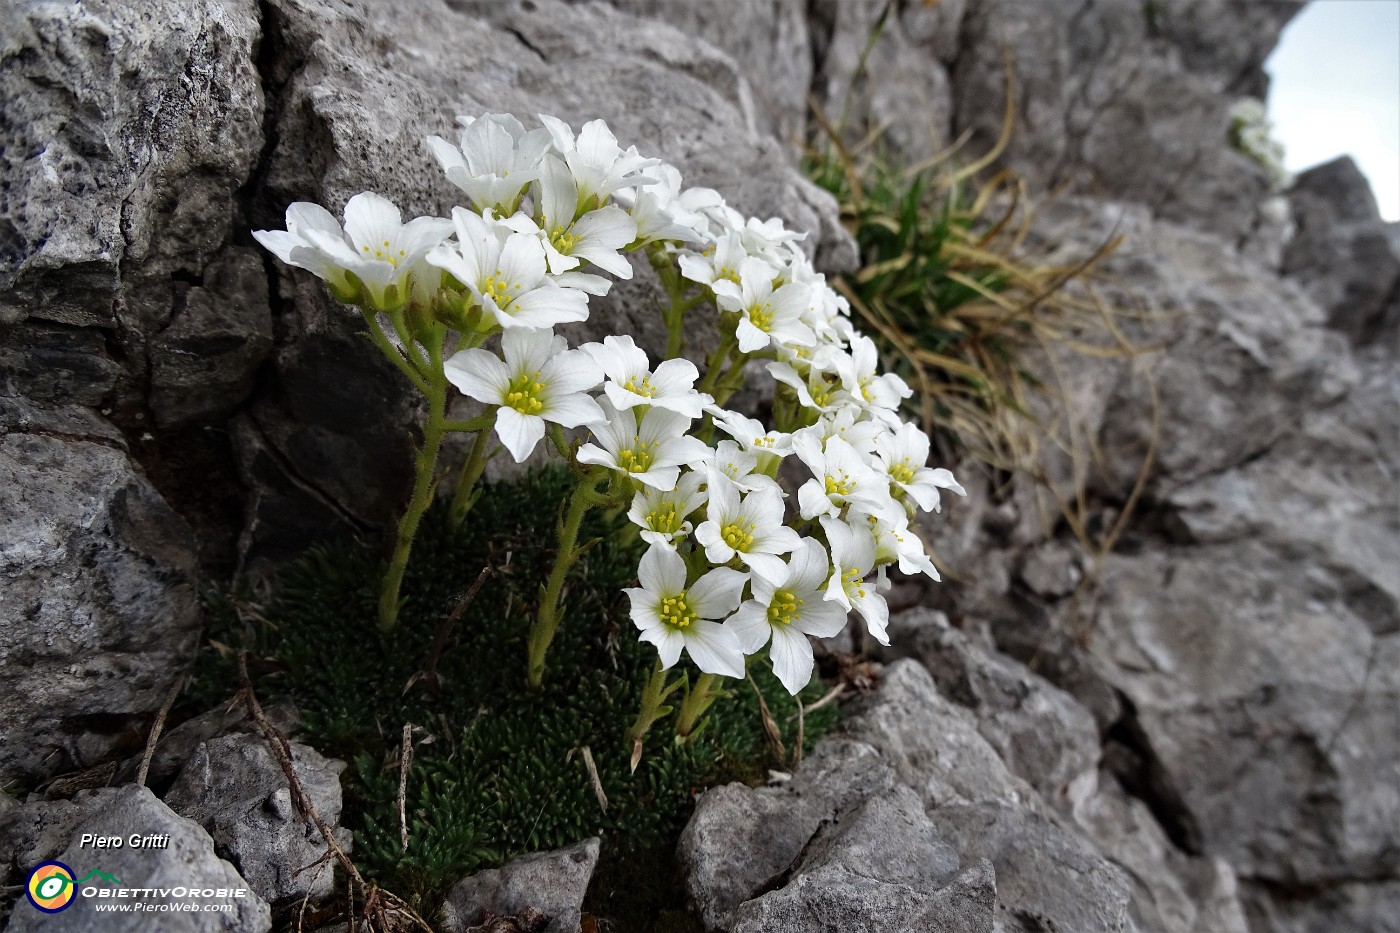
665, 518
761, 316
901, 472
563, 240
523, 394
637, 458
784, 608
643, 388
675, 613
727, 273
839, 485
738, 536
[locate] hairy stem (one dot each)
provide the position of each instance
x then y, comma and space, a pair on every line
426, 466
697, 702
653, 708
547, 622
464, 495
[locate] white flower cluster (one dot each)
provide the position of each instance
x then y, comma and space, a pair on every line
733, 563
1252, 133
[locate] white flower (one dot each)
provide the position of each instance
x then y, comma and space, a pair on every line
860, 374
497, 159
765, 314
375, 246
850, 424
750, 528
817, 390
598, 164
540, 380
505, 272
662, 515
674, 617
652, 453
852, 559
596, 237
751, 434
787, 608
662, 211
840, 477
631, 381
718, 266
730, 461
901, 456
896, 543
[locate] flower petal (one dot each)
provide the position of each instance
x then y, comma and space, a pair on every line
714, 648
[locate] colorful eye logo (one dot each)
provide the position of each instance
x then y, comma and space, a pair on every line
51, 887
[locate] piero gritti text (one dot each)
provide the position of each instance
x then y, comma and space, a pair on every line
134, 841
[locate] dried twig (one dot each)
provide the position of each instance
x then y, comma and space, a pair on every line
828, 698
158, 726
770, 726
405, 760
377, 902
429, 673
594, 779
801, 733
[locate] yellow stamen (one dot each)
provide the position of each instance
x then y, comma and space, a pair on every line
784, 608
524, 393
675, 613
738, 535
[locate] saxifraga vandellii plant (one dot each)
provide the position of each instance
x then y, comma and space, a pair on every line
733, 563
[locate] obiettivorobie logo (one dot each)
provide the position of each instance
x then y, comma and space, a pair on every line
52, 886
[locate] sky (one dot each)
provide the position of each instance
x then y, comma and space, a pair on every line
1336, 90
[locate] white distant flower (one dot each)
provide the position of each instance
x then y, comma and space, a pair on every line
505, 272
730, 461
840, 477
663, 211
540, 380
902, 455
852, 559
718, 266
787, 608
764, 314
596, 237
860, 374
652, 453
375, 246
751, 434
817, 389
677, 618
851, 425
750, 528
598, 164
896, 543
496, 160
631, 381
662, 515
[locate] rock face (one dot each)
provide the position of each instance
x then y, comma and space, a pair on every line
186, 862
98, 612
1343, 252
235, 789
552, 883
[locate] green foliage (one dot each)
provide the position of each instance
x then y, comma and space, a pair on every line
499, 770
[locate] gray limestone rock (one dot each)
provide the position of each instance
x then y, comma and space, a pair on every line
187, 861
553, 883
740, 839
1041, 733
1268, 702
1104, 89
234, 787
832, 899
98, 610
1047, 877
1342, 251
932, 745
